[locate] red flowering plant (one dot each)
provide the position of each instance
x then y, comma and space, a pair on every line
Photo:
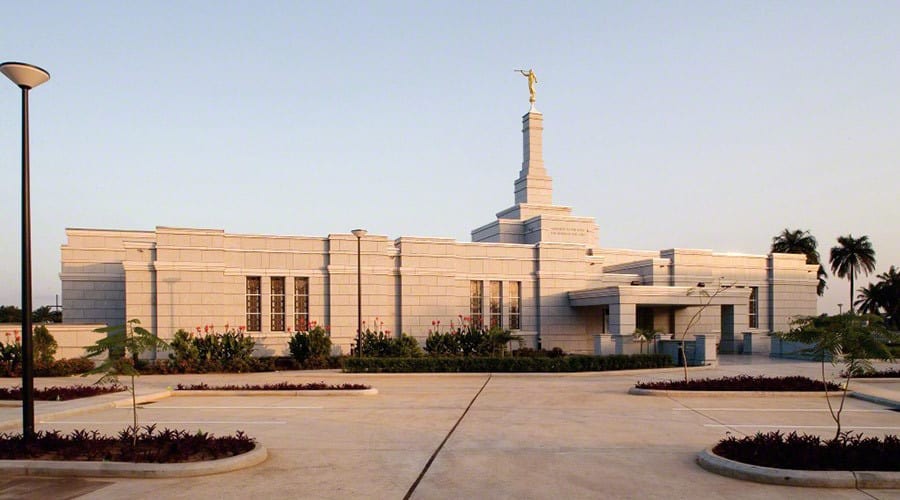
468, 338
379, 342
230, 351
11, 353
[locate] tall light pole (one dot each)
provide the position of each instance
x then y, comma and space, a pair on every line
26, 77
359, 233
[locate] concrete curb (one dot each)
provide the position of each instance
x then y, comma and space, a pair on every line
134, 470
158, 396
747, 394
803, 478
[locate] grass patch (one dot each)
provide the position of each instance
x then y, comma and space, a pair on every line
805, 452
742, 383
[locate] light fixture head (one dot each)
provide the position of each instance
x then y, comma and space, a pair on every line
359, 233
26, 76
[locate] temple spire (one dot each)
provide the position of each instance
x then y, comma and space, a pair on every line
533, 185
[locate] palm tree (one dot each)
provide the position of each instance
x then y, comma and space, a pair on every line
882, 296
801, 242
850, 257
870, 298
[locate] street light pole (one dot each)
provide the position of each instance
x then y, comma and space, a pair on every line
840, 308
359, 233
26, 77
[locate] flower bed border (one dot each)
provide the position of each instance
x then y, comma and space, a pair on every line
290, 392
135, 470
750, 394
792, 477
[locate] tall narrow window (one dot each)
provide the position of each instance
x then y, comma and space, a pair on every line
277, 296
476, 303
515, 305
254, 303
301, 304
754, 307
496, 319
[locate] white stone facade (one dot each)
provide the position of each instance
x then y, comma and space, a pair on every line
573, 294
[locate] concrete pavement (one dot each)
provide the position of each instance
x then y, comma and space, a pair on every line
523, 436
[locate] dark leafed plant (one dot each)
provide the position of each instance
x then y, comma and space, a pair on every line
805, 452
847, 338
740, 383
60, 393
146, 445
123, 344
282, 386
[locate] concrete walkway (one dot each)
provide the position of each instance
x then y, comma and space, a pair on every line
510, 436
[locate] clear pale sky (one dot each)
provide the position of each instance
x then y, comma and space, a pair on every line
675, 124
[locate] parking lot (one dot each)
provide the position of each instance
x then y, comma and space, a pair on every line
472, 436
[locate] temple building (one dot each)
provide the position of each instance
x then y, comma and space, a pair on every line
537, 270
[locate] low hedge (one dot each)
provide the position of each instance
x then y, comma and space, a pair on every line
571, 363
55, 368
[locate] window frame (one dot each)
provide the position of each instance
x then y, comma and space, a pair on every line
253, 296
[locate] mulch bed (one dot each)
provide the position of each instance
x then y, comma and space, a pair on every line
742, 383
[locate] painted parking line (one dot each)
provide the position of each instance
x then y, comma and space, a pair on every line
172, 422
791, 426
813, 410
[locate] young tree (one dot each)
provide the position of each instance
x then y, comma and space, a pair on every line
850, 257
123, 344
846, 338
706, 299
801, 242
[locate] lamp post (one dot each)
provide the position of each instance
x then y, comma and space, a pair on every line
840, 308
359, 233
26, 77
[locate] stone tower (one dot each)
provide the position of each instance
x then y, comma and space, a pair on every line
534, 218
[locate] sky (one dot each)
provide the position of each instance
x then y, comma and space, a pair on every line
676, 124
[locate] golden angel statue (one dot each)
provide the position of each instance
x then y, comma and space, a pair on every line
532, 80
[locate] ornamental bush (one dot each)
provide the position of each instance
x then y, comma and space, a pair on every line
310, 347
231, 351
474, 364
468, 339
382, 344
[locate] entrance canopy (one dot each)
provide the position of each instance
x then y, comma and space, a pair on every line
659, 296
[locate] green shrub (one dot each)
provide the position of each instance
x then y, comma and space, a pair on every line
231, 351
571, 363
310, 347
44, 345
468, 340
382, 344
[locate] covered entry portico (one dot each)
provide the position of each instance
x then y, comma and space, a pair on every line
619, 310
